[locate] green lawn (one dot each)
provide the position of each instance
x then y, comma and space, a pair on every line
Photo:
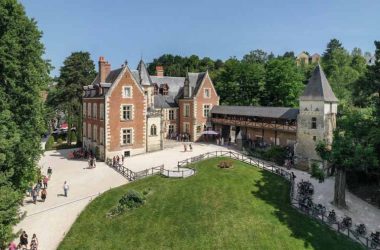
238, 208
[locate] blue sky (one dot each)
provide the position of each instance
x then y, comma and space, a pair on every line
123, 30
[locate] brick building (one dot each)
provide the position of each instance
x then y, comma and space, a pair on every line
127, 112
130, 112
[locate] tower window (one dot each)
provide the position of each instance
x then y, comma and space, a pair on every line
313, 123
153, 130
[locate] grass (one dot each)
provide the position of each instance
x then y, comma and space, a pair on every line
238, 208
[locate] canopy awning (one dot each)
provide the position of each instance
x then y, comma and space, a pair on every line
209, 132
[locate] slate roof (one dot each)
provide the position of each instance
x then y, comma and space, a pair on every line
111, 77
252, 111
174, 83
161, 101
318, 88
143, 77
195, 80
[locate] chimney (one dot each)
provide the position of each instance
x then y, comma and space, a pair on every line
160, 71
104, 69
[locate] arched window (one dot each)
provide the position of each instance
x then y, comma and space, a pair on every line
153, 130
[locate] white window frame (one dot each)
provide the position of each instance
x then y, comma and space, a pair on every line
155, 130
95, 133
186, 107
173, 116
209, 93
101, 111
84, 129
209, 110
185, 125
84, 109
130, 92
122, 135
89, 110
89, 131
122, 112
95, 110
101, 136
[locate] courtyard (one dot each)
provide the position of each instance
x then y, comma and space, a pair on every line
52, 219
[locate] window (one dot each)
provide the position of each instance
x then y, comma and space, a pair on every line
171, 114
198, 129
101, 136
206, 110
89, 131
126, 112
89, 114
84, 109
84, 129
153, 130
171, 129
207, 93
186, 107
313, 123
95, 110
126, 136
95, 137
127, 92
314, 138
186, 127
101, 111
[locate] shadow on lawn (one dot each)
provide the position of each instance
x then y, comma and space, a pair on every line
275, 191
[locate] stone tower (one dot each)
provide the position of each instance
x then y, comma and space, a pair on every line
316, 119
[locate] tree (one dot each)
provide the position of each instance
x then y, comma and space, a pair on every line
256, 56
77, 71
23, 75
283, 83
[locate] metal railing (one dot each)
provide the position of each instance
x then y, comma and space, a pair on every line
365, 241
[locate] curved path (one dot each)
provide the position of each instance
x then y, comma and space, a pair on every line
52, 219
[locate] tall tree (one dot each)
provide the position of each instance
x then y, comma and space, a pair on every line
256, 56
77, 71
23, 74
283, 83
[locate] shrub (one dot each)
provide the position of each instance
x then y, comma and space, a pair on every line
276, 154
132, 199
59, 141
73, 137
225, 164
49, 143
317, 172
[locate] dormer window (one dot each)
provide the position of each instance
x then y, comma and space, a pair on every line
155, 89
164, 89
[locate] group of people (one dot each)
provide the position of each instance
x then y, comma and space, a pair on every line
221, 142
183, 137
40, 189
116, 161
24, 242
91, 161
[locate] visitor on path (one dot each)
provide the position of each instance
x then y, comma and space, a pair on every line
122, 159
94, 162
191, 147
65, 188
184, 148
34, 195
46, 179
24, 240
34, 243
49, 172
12, 246
113, 161
43, 194
117, 159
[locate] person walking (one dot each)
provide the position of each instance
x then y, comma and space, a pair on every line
94, 162
24, 240
46, 179
34, 243
34, 195
65, 188
43, 194
190, 147
49, 172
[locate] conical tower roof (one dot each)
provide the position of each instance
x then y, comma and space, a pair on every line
318, 88
143, 74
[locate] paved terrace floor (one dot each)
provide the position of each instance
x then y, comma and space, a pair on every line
52, 219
